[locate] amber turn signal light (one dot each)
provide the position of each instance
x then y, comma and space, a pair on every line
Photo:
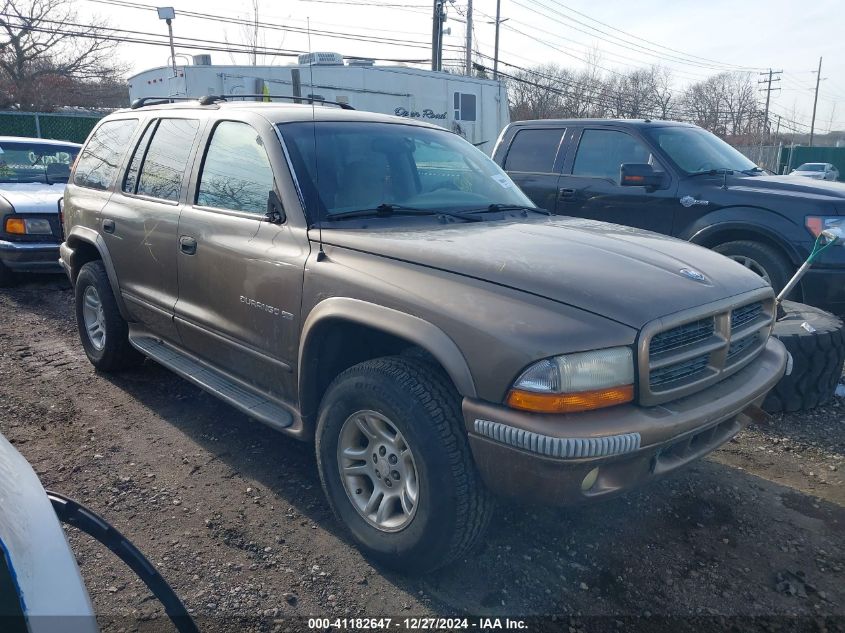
15, 226
569, 402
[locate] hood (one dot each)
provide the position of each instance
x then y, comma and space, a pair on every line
622, 273
808, 189
33, 197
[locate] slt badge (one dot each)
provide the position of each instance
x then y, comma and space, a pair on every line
689, 201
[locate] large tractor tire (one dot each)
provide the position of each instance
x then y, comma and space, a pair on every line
816, 341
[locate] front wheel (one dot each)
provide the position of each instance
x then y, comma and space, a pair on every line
396, 466
759, 258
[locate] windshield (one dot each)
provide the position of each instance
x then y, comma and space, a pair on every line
22, 161
811, 167
696, 151
361, 166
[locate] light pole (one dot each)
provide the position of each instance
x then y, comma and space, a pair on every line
168, 14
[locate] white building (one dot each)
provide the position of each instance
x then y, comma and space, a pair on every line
477, 109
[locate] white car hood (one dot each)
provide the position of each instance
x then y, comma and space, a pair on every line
33, 197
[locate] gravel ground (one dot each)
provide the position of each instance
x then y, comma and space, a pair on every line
233, 515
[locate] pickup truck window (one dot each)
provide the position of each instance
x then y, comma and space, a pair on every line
236, 172
602, 152
100, 159
167, 159
355, 166
533, 150
695, 150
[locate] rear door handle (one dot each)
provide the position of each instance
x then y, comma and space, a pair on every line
108, 226
188, 245
563, 192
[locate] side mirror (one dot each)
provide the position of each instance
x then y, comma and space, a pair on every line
275, 211
639, 175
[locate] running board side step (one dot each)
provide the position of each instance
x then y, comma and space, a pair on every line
214, 382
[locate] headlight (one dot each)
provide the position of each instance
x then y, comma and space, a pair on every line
28, 226
818, 223
576, 382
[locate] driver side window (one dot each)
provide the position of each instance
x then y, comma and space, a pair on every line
602, 152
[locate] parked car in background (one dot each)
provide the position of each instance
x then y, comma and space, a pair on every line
817, 171
33, 174
680, 180
379, 286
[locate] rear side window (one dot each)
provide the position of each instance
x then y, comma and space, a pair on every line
99, 161
533, 150
602, 152
166, 161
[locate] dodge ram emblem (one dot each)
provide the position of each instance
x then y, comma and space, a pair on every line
689, 273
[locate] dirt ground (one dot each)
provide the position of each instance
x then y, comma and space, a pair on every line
233, 515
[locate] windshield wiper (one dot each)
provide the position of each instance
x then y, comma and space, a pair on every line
386, 210
713, 172
753, 170
516, 207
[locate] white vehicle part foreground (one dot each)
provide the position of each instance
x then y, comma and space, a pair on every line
53, 596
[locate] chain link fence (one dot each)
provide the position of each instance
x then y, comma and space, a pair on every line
57, 126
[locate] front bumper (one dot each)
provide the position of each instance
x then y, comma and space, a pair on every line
30, 257
825, 289
545, 458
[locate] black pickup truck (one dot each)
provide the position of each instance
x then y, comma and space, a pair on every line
680, 180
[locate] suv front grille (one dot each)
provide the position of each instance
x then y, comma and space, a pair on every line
693, 351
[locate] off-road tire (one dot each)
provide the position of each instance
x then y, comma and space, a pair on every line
775, 263
7, 277
818, 353
117, 353
453, 507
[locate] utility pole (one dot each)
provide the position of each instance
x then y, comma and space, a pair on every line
469, 38
768, 90
815, 102
496, 46
437, 19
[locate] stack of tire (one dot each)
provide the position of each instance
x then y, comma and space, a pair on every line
816, 341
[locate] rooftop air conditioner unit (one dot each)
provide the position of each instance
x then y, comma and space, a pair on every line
321, 59
360, 61
202, 60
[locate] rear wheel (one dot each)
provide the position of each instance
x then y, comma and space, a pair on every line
759, 258
104, 333
396, 466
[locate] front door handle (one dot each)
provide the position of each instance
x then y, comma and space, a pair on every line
188, 245
108, 226
564, 192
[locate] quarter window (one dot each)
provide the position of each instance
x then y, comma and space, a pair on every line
131, 180
602, 152
236, 174
99, 161
533, 150
166, 161
464, 106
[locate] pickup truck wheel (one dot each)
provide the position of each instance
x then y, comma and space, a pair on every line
816, 341
7, 277
396, 466
759, 258
104, 333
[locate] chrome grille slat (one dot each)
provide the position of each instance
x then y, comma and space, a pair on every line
689, 352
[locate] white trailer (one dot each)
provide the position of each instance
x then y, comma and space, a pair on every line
477, 109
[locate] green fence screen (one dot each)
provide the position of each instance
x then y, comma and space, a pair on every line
57, 126
803, 154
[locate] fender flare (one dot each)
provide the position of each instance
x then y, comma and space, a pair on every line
411, 328
726, 220
81, 234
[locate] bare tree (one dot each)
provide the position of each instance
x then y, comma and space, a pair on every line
43, 44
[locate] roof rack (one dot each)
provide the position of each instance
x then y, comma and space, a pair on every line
211, 99
143, 101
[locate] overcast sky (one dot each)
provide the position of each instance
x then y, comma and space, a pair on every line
692, 38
